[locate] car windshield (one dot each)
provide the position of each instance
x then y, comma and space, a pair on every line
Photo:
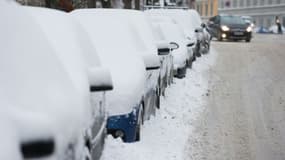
232, 20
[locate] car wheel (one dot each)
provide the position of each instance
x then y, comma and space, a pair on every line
189, 63
157, 101
248, 40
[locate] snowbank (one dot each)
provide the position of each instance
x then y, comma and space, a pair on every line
165, 136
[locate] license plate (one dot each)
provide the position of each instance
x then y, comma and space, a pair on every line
238, 33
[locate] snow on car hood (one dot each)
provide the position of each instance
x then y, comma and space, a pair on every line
34, 83
116, 49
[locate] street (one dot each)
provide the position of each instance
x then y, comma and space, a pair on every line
244, 117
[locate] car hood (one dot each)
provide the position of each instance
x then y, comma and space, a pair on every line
237, 26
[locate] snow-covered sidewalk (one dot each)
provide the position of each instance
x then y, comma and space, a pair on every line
165, 135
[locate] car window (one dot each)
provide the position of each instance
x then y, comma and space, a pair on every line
232, 20
217, 20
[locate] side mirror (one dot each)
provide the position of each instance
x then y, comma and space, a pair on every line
174, 45
211, 23
198, 30
152, 62
203, 25
99, 79
190, 42
163, 48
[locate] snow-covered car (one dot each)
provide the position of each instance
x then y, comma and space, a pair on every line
187, 23
116, 45
202, 33
72, 45
146, 44
45, 99
175, 36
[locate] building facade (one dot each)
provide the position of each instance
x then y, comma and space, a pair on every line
206, 8
263, 12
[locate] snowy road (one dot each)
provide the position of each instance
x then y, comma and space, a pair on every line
245, 114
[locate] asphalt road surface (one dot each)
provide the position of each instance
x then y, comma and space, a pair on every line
245, 113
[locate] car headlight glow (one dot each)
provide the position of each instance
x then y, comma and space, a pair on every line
248, 29
225, 28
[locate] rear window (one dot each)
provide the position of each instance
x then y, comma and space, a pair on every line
232, 20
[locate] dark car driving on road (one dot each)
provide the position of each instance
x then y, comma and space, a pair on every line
229, 27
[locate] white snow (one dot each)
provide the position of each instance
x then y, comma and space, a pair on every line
165, 136
37, 94
116, 49
172, 33
274, 29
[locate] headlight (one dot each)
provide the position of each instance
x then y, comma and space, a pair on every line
248, 29
225, 28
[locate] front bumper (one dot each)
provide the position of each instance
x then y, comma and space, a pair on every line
126, 123
236, 35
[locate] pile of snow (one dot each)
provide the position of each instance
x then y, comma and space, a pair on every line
274, 29
165, 136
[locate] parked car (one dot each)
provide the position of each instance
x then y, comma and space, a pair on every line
72, 46
182, 19
119, 51
248, 20
44, 97
174, 34
229, 27
202, 33
141, 26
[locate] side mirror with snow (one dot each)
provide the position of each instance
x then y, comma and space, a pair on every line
174, 45
163, 48
99, 79
152, 62
199, 29
189, 42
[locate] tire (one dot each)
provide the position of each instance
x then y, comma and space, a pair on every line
189, 63
157, 101
247, 40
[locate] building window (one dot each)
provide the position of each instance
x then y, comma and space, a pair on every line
241, 3
222, 4
235, 3
248, 3
269, 22
261, 2
269, 1
206, 9
254, 3
261, 21
212, 8
278, 1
